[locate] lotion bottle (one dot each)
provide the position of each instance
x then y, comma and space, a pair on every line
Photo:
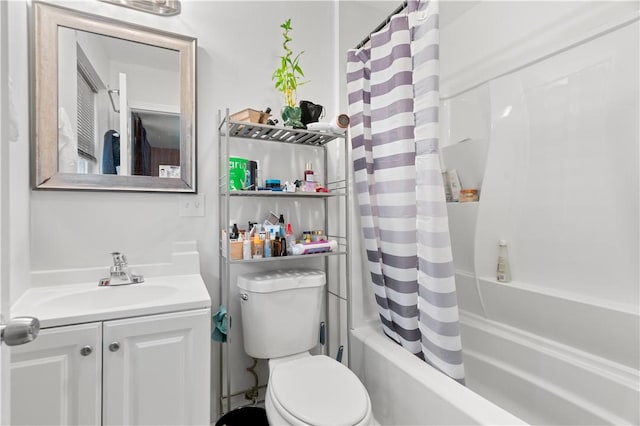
267, 245
246, 248
257, 247
503, 271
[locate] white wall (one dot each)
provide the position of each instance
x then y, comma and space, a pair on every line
18, 122
161, 91
238, 48
234, 70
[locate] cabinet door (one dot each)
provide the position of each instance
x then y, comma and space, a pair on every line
54, 381
156, 369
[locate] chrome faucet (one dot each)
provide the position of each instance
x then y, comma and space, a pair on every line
119, 273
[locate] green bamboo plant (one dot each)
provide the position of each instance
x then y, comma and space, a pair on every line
287, 76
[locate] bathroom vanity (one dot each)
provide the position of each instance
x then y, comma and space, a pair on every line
133, 354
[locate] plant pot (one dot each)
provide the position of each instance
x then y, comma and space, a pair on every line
291, 116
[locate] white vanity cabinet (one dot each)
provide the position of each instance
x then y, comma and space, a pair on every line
156, 369
54, 381
143, 370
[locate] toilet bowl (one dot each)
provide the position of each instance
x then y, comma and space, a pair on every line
280, 322
315, 390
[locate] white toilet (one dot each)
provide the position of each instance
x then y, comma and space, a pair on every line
281, 322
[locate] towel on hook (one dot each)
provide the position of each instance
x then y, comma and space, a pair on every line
219, 325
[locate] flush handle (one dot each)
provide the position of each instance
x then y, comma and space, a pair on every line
323, 332
114, 346
339, 355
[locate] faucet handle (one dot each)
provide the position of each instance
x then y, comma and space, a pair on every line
119, 259
120, 273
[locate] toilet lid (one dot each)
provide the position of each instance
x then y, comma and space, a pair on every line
318, 390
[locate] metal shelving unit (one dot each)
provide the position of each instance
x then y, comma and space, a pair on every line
338, 189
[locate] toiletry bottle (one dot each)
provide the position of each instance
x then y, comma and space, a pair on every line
276, 249
246, 249
308, 172
283, 246
251, 226
234, 232
503, 270
257, 247
267, 245
289, 238
281, 223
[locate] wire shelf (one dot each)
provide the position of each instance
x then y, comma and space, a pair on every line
265, 132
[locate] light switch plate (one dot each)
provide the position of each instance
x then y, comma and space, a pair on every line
191, 205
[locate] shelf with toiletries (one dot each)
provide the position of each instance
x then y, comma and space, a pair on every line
466, 203
463, 165
303, 176
298, 194
337, 252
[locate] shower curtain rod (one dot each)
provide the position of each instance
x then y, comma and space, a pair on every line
382, 24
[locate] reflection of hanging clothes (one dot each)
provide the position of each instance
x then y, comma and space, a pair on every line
111, 153
141, 148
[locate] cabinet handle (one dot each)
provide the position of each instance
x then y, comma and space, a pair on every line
86, 350
113, 347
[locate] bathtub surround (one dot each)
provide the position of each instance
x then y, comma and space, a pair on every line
393, 99
406, 391
559, 344
558, 110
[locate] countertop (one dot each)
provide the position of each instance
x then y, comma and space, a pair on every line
87, 302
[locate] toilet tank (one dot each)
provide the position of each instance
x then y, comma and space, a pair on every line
281, 311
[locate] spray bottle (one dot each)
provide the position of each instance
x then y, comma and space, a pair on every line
289, 238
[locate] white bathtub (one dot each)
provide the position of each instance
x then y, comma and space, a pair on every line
406, 391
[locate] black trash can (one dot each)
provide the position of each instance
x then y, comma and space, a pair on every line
245, 416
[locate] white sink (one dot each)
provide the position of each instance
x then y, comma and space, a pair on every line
79, 303
109, 297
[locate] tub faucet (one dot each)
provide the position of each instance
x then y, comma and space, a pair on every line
120, 274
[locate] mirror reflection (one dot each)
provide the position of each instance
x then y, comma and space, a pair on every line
118, 106
114, 104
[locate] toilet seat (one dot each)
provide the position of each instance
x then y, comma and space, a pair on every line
317, 390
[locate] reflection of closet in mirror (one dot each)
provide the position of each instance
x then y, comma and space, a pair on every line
144, 80
155, 139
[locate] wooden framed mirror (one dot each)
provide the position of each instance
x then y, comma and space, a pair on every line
114, 104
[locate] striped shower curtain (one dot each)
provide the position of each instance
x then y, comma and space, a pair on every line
393, 104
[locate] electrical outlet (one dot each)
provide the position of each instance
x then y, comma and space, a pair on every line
191, 205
